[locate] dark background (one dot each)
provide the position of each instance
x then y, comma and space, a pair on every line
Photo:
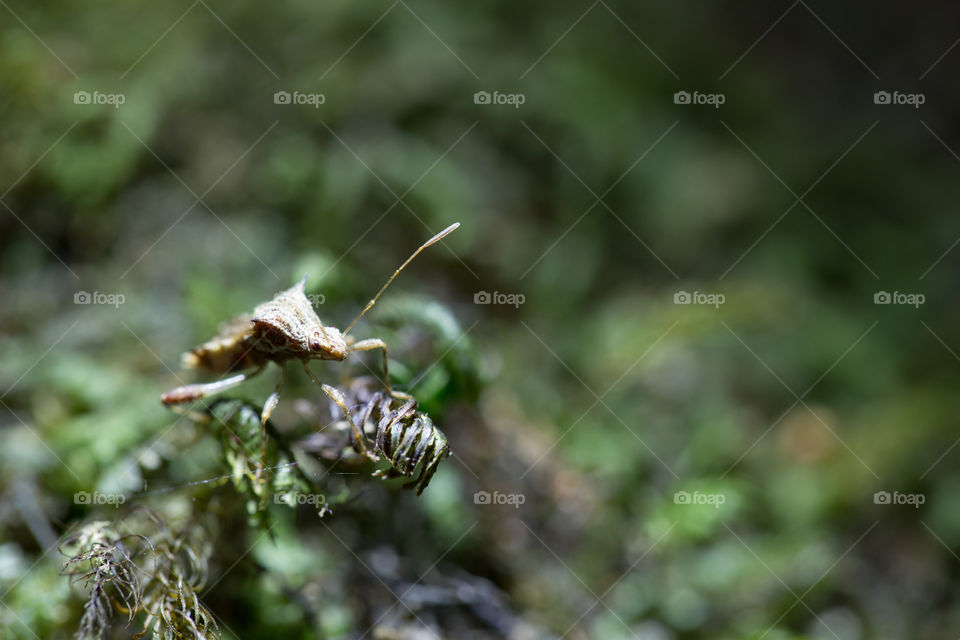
597, 399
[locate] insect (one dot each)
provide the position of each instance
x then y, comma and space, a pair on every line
282, 329
406, 437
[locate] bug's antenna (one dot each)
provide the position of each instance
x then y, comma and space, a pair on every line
426, 244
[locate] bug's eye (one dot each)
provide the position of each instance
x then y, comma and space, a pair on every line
316, 343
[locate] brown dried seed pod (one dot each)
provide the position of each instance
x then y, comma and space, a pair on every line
404, 436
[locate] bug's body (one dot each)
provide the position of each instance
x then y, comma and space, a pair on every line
282, 329
232, 349
288, 327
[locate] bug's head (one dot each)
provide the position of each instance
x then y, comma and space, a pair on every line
327, 343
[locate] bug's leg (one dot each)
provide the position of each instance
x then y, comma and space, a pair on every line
359, 442
334, 394
376, 343
268, 408
191, 392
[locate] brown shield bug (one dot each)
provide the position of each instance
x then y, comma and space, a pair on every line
282, 329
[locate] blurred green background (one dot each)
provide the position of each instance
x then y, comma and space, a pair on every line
145, 152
